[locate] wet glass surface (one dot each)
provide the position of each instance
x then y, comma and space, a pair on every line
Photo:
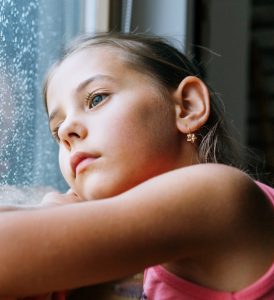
32, 36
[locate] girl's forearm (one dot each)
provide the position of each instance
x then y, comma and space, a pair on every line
58, 248
74, 245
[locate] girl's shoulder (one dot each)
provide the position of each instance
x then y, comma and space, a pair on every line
226, 181
231, 187
234, 202
231, 225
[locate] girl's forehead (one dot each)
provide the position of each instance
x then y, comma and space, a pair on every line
97, 55
89, 62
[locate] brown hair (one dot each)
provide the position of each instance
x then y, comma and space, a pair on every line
156, 57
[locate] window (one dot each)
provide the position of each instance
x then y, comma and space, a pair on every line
32, 34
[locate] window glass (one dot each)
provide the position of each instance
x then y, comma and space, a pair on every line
32, 36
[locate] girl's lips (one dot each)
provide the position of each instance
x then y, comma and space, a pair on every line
80, 160
83, 164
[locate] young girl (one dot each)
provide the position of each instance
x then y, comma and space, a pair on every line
140, 131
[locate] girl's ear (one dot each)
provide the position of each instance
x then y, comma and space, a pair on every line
192, 104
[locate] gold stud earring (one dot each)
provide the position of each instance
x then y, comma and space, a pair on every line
191, 137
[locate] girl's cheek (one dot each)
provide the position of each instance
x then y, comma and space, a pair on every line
64, 164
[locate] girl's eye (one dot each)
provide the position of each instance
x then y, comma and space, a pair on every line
94, 100
55, 135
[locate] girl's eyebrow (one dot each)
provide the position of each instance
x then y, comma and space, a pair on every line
98, 77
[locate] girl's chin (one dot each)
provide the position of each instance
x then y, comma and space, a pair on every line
99, 194
102, 187
91, 194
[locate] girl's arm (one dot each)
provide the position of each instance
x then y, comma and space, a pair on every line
174, 215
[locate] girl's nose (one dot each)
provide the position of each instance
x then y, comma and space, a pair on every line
72, 131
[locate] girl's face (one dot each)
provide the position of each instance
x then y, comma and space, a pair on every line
114, 128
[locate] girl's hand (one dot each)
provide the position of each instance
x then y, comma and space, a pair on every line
55, 198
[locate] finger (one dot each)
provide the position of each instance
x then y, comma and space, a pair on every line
74, 196
70, 192
55, 198
50, 196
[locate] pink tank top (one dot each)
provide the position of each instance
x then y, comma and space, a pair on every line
160, 284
